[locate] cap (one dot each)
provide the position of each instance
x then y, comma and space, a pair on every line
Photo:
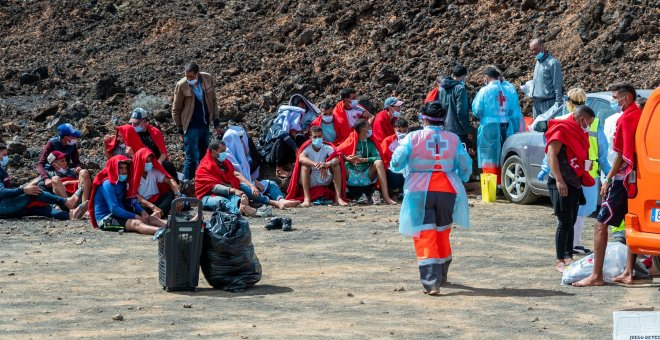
392, 101
55, 156
139, 113
67, 130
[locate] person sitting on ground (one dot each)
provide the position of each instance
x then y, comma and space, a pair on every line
236, 154
251, 153
152, 138
383, 125
363, 161
395, 180
65, 142
311, 111
317, 167
216, 184
114, 206
347, 112
156, 188
31, 200
124, 142
327, 124
64, 181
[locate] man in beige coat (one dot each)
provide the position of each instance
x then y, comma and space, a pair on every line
194, 108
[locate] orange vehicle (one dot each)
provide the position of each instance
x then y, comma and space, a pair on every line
643, 218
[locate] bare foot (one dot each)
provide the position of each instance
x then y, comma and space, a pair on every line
289, 203
390, 201
561, 265
625, 278
71, 202
305, 204
590, 281
341, 202
247, 210
568, 261
434, 292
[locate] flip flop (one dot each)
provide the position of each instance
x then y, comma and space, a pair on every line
81, 210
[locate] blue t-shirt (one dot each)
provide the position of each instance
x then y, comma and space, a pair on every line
110, 200
329, 133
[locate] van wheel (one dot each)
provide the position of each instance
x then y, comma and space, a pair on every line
515, 184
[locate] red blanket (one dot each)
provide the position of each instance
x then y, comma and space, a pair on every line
571, 135
432, 96
209, 174
139, 160
130, 137
158, 139
341, 123
382, 127
347, 148
385, 151
295, 191
111, 173
624, 143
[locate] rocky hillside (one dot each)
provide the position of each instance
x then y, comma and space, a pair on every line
85, 61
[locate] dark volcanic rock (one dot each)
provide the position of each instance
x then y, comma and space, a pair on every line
107, 86
42, 114
28, 78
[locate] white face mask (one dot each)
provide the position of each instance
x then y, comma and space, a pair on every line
122, 145
400, 135
73, 142
369, 133
4, 161
354, 104
327, 119
586, 128
192, 82
396, 114
62, 171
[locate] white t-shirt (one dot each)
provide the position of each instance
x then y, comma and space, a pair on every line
353, 115
149, 185
609, 128
317, 157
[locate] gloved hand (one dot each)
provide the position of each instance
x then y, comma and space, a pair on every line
541, 175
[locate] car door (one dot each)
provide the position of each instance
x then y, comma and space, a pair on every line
535, 152
602, 108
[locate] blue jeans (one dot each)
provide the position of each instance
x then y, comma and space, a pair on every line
226, 204
263, 199
15, 206
271, 190
195, 144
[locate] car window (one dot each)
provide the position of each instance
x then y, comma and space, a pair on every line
560, 112
602, 109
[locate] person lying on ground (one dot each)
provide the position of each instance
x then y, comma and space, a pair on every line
363, 161
114, 206
216, 184
383, 125
65, 142
31, 200
125, 142
264, 191
318, 166
156, 188
395, 180
152, 138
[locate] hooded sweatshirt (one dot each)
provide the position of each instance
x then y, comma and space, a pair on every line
453, 96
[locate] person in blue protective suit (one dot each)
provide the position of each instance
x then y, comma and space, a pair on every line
497, 109
434, 197
598, 148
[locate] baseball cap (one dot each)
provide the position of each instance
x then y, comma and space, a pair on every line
67, 130
139, 113
392, 101
55, 156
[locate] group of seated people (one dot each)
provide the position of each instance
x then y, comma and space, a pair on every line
328, 154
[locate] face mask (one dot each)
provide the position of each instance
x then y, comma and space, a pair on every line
486, 82
317, 142
539, 56
400, 135
122, 145
354, 103
327, 119
192, 82
62, 171
123, 178
222, 156
369, 133
4, 161
586, 128
616, 106
138, 128
148, 167
73, 142
396, 114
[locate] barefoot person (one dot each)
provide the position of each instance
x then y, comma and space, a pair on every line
435, 197
113, 205
156, 189
567, 150
619, 185
318, 166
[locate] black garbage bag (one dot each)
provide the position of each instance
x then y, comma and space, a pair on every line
228, 259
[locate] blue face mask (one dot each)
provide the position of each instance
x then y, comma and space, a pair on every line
4, 161
369, 133
615, 105
317, 142
123, 178
396, 114
222, 156
354, 103
148, 167
192, 82
539, 56
138, 128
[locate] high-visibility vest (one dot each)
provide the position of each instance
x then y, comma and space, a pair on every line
593, 149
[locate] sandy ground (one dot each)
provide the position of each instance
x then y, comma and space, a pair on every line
342, 273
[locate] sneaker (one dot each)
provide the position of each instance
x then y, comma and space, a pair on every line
274, 223
363, 199
580, 250
286, 224
375, 197
264, 212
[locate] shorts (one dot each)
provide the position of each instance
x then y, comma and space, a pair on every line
615, 206
315, 179
439, 208
112, 223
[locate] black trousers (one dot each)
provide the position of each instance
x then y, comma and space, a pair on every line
566, 209
171, 170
